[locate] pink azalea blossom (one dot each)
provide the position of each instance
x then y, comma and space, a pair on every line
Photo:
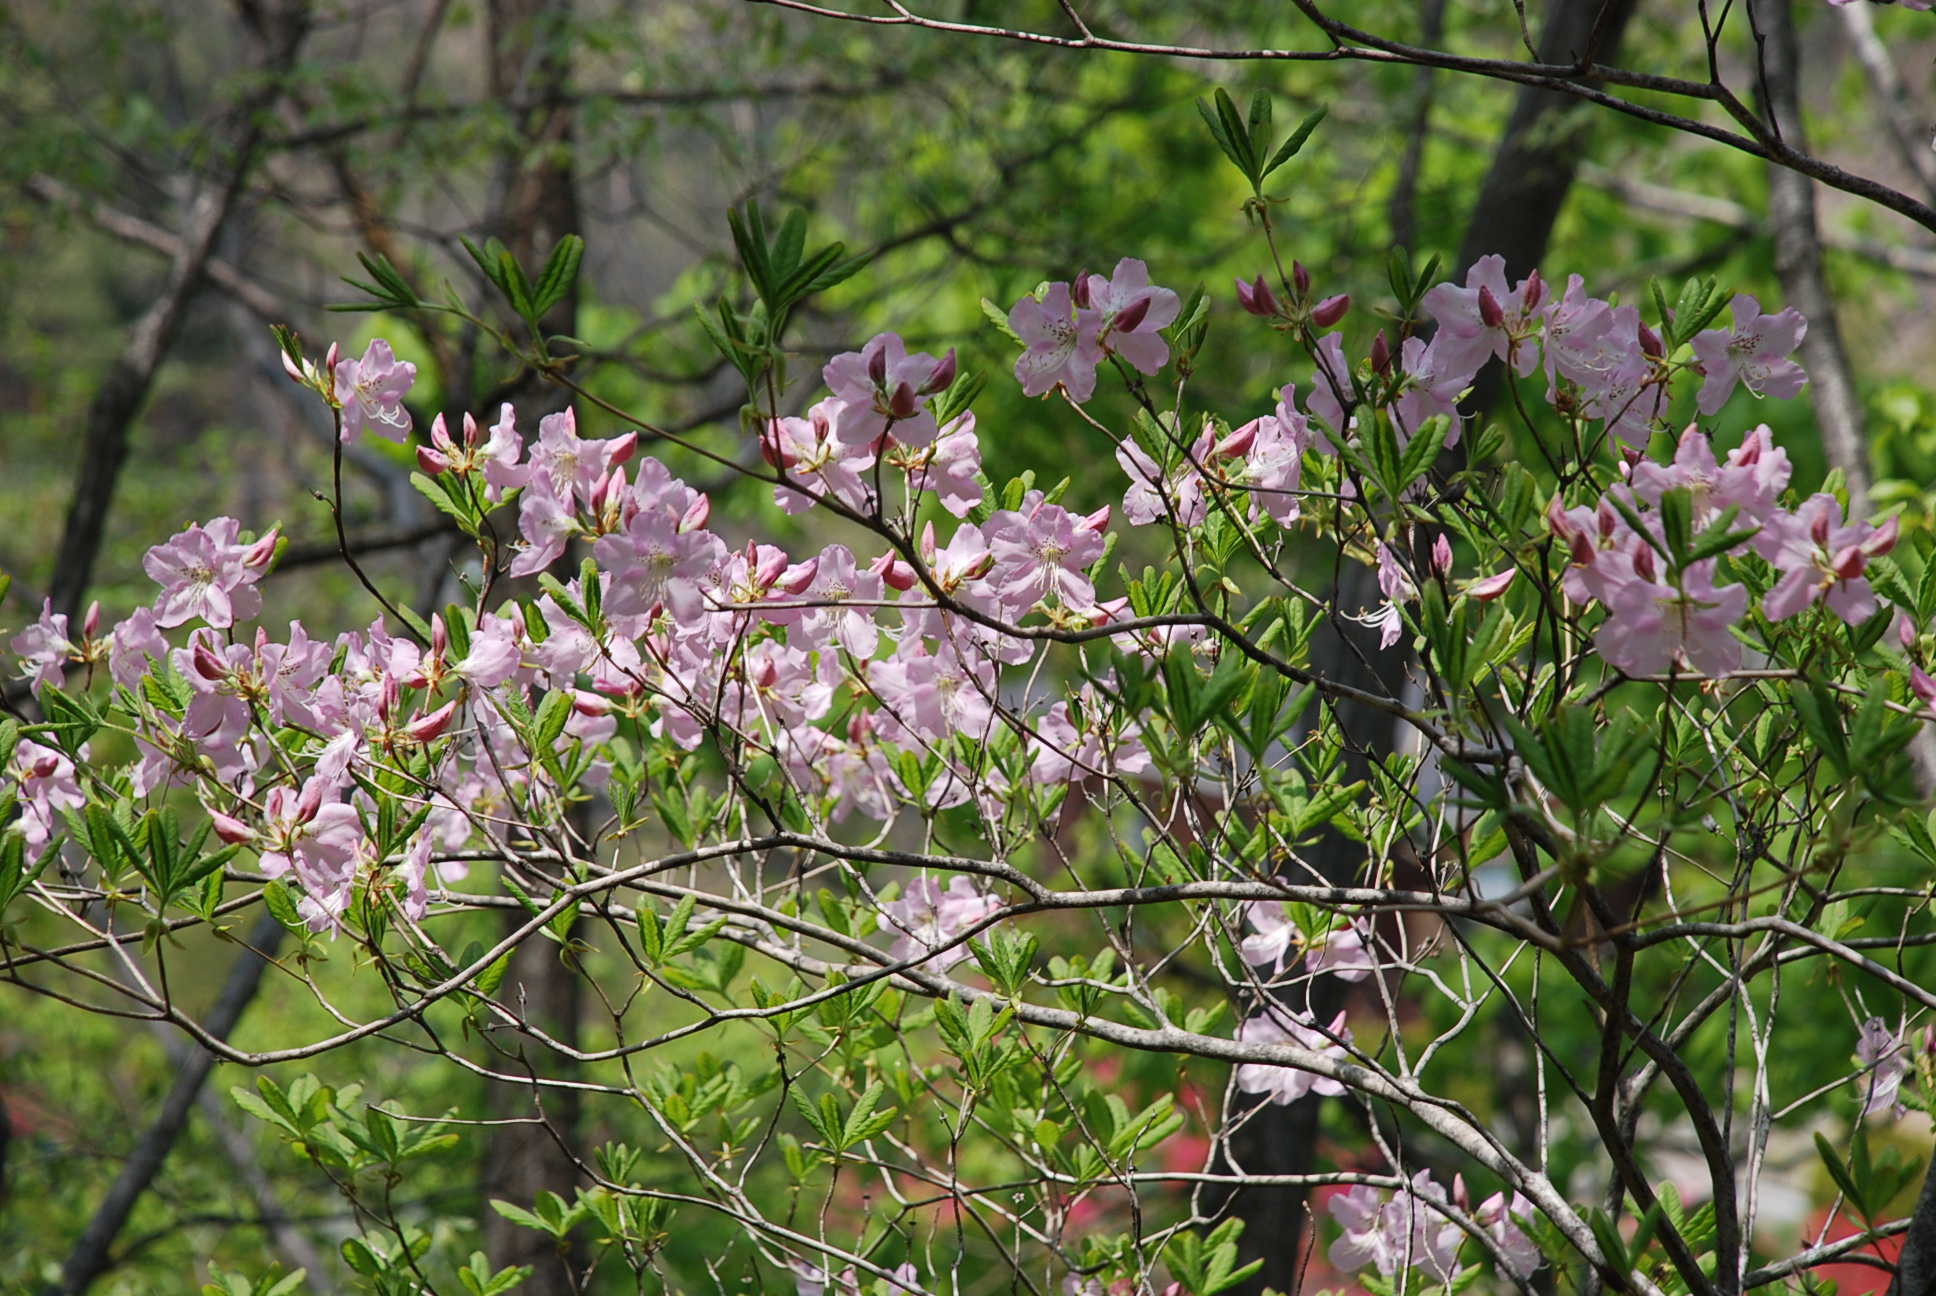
48, 784
1754, 353
1123, 313
927, 921
882, 390
205, 572
371, 392
1285, 1084
1821, 560
1056, 354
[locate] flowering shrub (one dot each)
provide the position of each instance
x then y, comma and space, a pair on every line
1651, 736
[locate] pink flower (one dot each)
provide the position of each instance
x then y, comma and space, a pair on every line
48, 785
371, 392
882, 389
1041, 553
1056, 355
951, 466
206, 573
1485, 319
1754, 354
927, 920
1283, 1084
1822, 560
1881, 1054
1123, 314
1497, 1217
44, 648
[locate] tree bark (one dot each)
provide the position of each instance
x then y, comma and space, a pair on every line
112, 412
91, 1254
1798, 259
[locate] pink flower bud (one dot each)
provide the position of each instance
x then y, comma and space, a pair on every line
1300, 278
1380, 354
1095, 521
262, 551
428, 728
1884, 539
877, 367
1490, 312
942, 376
893, 571
1257, 297
1131, 315
310, 801
1238, 443
1079, 290
1491, 587
92, 621
430, 461
903, 404
209, 666
696, 515
623, 447
232, 831
1921, 685
1330, 310
796, 578
1442, 554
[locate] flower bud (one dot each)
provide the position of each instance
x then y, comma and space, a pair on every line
1491, 587
1257, 297
1442, 554
1130, 316
1300, 278
877, 366
942, 376
232, 831
696, 515
430, 461
1490, 313
428, 728
892, 571
1330, 310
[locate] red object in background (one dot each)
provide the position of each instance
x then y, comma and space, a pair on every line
1853, 1279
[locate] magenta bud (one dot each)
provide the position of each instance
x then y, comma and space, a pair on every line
428, 728
893, 571
1130, 316
1381, 354
696, 515
1442, 554
1490, 312
1300, 278
1330, 310
903, 404
232, 831
430, 461
877, 366
623, 448
1079, 290
943, 375
1491, 587
1095, 521
92, 622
